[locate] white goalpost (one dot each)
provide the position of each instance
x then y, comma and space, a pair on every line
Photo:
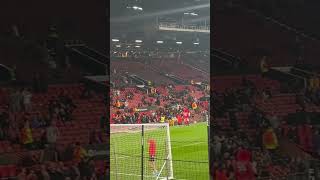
140, 151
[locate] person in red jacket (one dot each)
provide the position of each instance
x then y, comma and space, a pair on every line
152, 155
186, 116
221, 174
179, 119
244, 171
308, 135
243, 154
284, 128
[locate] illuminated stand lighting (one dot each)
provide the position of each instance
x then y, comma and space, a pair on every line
179, 42
115, 40
159, 42
138, 41
182, 27
196, 43
191, 14
136, 8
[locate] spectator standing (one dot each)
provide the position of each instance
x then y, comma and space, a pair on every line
14, 74
270, 140
52, 133
274, 121
264, 67
26, 135
15, 104
4, 124
63, 170
316, 141
87, 168
316, 82
233, 120
20, 100
79, 153
217, 146
103, 121
44, 173
39, 121
68, 152
49, 155
221, 174
27, 99
32, 175
95, 137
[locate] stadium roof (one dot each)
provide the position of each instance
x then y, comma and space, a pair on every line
129, 24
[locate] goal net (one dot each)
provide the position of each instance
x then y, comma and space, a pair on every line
140, 151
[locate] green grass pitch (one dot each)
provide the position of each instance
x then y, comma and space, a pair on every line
189, 152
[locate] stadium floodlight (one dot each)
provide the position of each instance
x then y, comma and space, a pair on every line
179, 42
193, 14
159, 42
129, 144
118, 45
196, 43
137, 8
138, 41
186, 13
115, 40
137, 46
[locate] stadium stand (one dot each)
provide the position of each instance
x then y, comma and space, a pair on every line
143, 93
53, 121
265, 111
57, 118
162, 94
252, 112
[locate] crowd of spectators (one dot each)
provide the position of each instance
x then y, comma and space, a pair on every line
252, 151
167, 106
30, 132
17, 118
61, 108
238, 157
41, 158
73, 163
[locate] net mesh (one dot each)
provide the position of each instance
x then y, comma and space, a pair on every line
130, 156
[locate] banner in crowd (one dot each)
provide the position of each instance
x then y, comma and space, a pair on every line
141, 109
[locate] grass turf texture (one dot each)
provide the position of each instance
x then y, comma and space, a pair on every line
189, 152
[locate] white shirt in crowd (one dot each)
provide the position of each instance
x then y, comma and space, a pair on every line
52, 134
27, 97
